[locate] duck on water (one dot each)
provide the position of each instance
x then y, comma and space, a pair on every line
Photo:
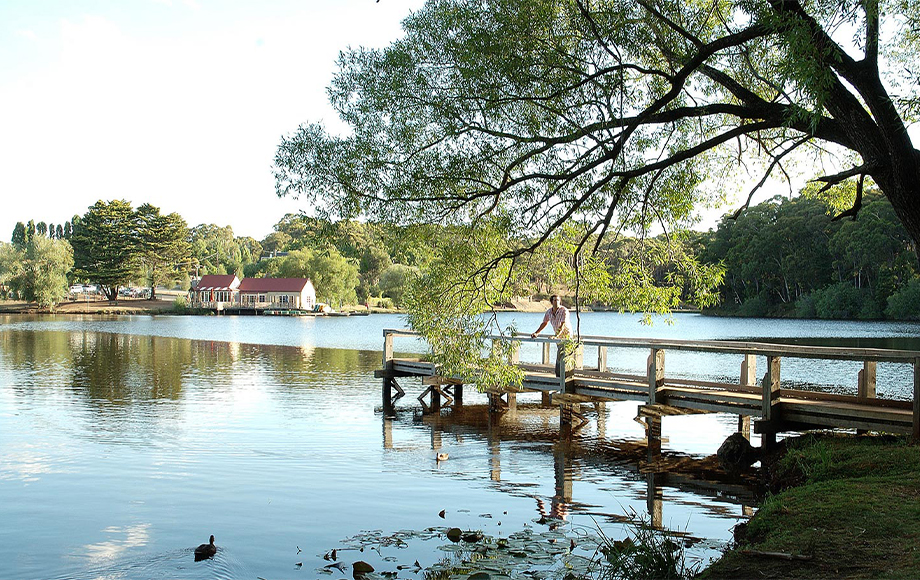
205, 551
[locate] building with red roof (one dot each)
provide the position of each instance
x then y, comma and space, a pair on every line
227, 292
284, 293
215, 291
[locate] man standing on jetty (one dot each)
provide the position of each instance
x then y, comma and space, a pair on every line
558, 316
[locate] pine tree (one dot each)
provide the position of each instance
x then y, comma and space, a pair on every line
164, 244
105, 244
19, 235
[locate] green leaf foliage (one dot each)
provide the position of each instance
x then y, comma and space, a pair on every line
106, 246
38, 272
164, 245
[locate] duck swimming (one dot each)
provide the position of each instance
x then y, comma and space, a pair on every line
205, 551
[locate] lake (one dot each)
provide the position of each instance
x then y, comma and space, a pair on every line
125, 442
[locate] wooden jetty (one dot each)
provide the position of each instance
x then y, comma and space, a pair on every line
776, 409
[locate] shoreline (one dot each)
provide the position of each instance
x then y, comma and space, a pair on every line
836, 506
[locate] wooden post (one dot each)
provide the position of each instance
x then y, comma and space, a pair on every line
749, 370
579, 356
744, 426
435, 399
388, 410
771, 389
770, 393
916, 429
387, 394
602, 358
387, 347
866, 382
655, 375
561, 367
546, 353
865, 388
546, 399
512, 402
458, 395
748, 379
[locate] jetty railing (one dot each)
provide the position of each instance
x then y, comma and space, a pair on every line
779, 409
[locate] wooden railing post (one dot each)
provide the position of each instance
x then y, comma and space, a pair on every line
771, 389
602, 358
560, 367
655, 375
749, 370
387, 348
865, 385
748, 379
387, 390
866, 381
769, 412
546, 353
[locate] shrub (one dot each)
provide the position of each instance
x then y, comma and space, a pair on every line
382, 303
754, 306
905, 303
180, 305
805, 307
840, 300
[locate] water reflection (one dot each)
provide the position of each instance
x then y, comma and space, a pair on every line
135, 536
588, 456
123, 451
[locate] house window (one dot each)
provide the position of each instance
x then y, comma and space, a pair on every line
261, 297
283, 298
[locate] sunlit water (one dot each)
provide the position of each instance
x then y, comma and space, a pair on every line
125, 442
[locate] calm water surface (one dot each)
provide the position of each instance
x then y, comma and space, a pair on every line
125, 442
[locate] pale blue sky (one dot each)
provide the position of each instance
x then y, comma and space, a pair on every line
179, 103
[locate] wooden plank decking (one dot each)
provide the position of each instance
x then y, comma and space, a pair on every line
779, 409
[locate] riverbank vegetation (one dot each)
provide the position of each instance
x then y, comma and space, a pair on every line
840, 507
784, 257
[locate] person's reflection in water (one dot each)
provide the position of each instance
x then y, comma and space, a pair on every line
558, 512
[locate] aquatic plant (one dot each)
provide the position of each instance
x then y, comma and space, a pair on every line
646, 552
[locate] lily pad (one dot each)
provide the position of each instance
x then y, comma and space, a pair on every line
454, 534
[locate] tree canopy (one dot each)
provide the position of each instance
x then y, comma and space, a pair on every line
163, 240
610, 117
105, 245
619, 114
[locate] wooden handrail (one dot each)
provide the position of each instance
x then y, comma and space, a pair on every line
722, 346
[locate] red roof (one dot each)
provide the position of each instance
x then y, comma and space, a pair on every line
216, 282
273, 284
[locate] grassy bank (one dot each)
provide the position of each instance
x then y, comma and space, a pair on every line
842, 507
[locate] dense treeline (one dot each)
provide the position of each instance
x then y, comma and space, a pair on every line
783, 257
786, 257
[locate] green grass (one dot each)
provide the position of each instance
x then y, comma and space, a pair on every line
856, 513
